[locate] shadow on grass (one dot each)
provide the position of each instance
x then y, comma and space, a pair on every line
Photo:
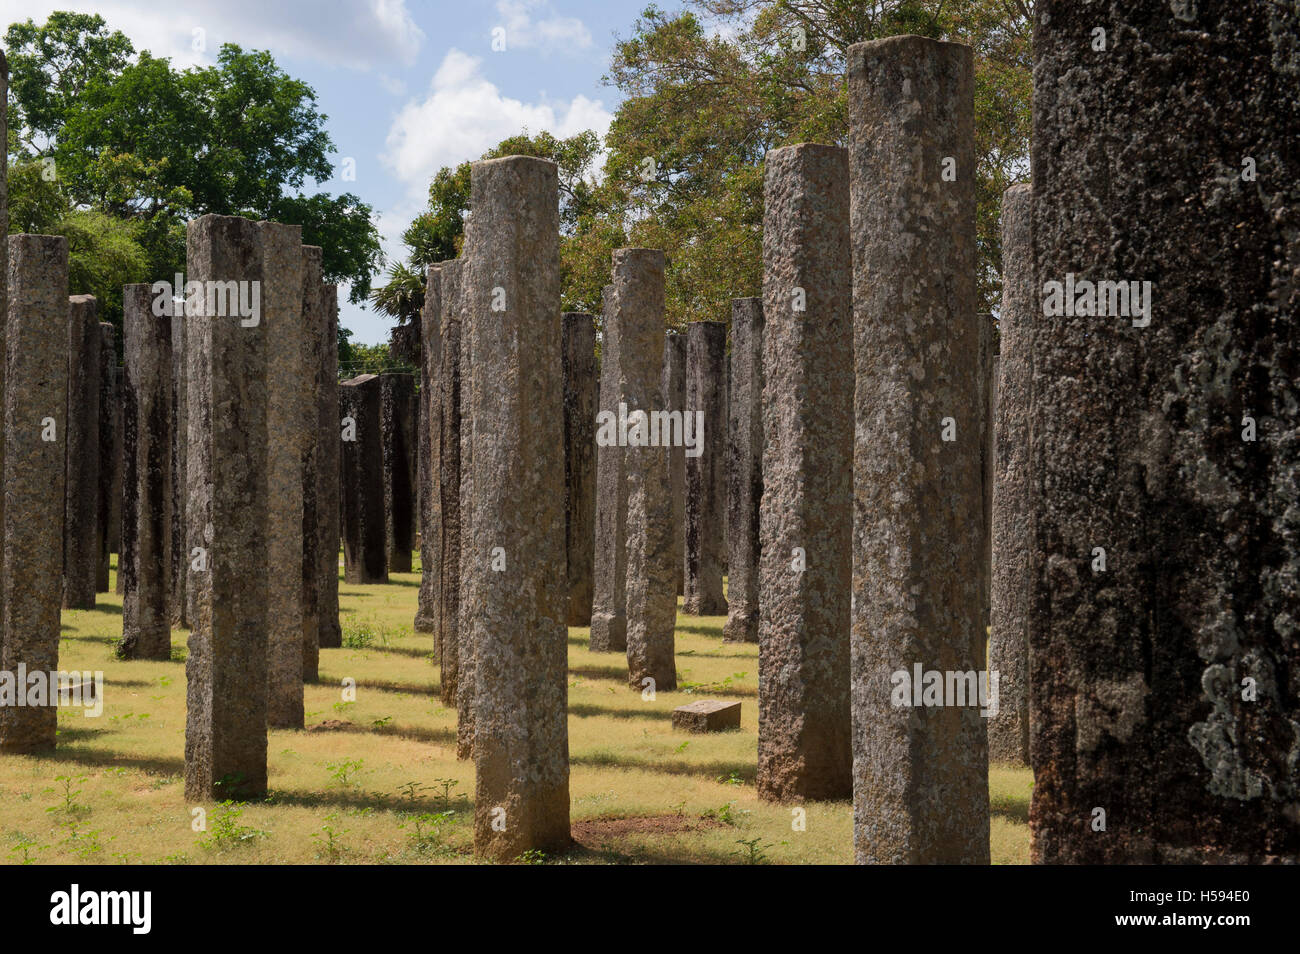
428, 689
710, 770
417, 732
393, 582
412, 651
1012, 809
614, 673
586, 711
382, 801
698, 630
83, 756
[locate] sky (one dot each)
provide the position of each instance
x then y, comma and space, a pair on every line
407, 86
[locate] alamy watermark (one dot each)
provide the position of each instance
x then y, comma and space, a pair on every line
215, 299
655, 429
945, 688
1081, 297
41, 689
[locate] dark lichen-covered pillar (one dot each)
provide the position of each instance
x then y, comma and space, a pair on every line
706, 485
328, 489
313, 344
807, 474
365, 551
450, 496
35, 407
458, 563
290, 391
429, 442
609, 558
227, 513
1165, 688
145, 562
1013, 490
674, 392
637, 298
180, 568
515, 538
115, 490
580, 387
920, 771
745, 469
397, 423
81, 509
108, 399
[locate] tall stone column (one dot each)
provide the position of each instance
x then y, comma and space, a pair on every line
1165, 436
637, 298
806, 419
456, 606
108, 399
609, 557
426, 613
397, 423
145, 562
706, 484
180, 569
313, 344
328, 486
36, 398
580, 386
515, 538
290, 392
1013, 488
227, 517
115, 492
674, 391
81, 508
365, 551
920, 772
745, 469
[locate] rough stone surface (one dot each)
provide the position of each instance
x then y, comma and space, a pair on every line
1013, 488
706, 485
365, 551
178, 593
313, 342
1136, 672
674, 391
226, 470
115, 493
4, 301
461, 610
609, 560
807, 476
920, 773
580, 387
290, 392
745, 469
637, 298
328, 489
146, 562
397, 423
81, 509
35, 396
108, 399
521, 756
707, 715
430, 438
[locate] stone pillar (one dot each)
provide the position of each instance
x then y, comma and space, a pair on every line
1165, 687
328, 485
806, 417
36, 398
674, 391
429, 436
179, 590
745, 469
108, 398
227, 516
637, 298
116, 490
1013, 488
397, 424
313, 344
580, 387
609, 557
706, 485
145, 562
515, 539
365, 551
457, 606
290, 389
920, 773
4, 307
81, 508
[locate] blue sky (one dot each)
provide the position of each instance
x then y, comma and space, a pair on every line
408, 86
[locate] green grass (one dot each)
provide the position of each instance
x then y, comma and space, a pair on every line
383, 784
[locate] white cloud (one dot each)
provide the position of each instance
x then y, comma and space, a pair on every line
549, 32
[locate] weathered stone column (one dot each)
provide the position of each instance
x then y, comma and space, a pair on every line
637, 298
179, 591
515, 539
1165, 436
609, 557
806, 422
430, 435
920, 772
365, 551
706, 484
4, 307
674, 391
290, 392
36, 398
328, 488
145, 562
450, 496
1013, 488
745, 468
397, 424
580, 386
115, 491
227, 517
108, 399
457, 606
313, 344
81, 509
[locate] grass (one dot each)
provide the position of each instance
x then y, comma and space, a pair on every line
381, 784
